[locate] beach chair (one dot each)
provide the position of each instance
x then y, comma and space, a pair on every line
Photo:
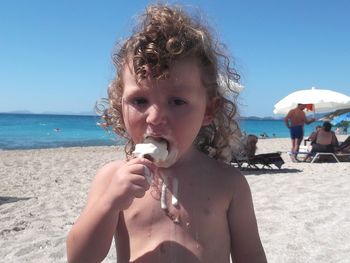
316, 157
259, 161
344, 145
343, 157
245, 157
342, 152
321, 157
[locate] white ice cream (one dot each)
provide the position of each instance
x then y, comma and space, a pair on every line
157, 150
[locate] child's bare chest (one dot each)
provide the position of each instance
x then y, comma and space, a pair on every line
189, 209
173, 205
188, 216
191, 225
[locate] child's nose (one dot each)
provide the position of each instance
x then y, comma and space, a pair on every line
156, 115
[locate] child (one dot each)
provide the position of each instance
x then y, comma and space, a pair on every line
196, 208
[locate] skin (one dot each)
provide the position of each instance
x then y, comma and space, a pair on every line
215, 211
325, 137
297, 117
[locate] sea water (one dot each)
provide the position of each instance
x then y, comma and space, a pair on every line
30, 131
272, 128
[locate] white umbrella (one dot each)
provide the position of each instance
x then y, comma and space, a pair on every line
323, 100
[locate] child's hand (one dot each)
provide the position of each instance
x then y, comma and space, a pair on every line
129, 182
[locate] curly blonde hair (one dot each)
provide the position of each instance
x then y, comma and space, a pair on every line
166, 34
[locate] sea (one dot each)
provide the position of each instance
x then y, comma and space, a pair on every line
34, 131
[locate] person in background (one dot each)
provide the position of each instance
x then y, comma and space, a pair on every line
248, 146
324, 139
312, 136
295, 121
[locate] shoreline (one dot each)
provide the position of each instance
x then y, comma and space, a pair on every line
302, 210
120, 145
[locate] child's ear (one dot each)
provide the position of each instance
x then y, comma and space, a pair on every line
212, 107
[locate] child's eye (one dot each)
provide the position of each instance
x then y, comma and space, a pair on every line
177, 102
139, 101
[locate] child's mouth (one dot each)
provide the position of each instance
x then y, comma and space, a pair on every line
160, 140
154, 149
157, 149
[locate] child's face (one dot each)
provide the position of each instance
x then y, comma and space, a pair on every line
173, 109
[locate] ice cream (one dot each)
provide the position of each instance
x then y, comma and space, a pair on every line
155, 150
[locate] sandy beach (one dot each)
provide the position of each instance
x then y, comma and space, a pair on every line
303, 210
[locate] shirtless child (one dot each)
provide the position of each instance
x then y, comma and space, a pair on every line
295, 121
183, 204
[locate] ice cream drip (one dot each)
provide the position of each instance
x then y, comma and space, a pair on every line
157, 152
174, 199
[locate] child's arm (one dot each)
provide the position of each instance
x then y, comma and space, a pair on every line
113, 190
245, 241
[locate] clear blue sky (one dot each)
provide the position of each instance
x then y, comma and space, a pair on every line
56, 55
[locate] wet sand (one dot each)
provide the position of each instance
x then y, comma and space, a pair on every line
303, 210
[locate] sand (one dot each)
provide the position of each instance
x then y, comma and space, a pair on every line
303, 210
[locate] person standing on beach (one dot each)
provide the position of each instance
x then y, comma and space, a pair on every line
295, 121
195, 207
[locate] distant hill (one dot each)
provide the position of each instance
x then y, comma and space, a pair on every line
261, 118
84, 113
88, 113
20, 112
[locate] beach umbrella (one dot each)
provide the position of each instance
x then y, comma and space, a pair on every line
334, 114
322, 100
341, 118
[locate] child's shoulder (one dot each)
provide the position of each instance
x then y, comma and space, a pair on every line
224, 180
222, 172
107, 170
102, 180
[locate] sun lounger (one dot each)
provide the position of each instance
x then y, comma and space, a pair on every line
259, 161
324, 157
318, 157
344, 145
331, 157
321, 157
343, 157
